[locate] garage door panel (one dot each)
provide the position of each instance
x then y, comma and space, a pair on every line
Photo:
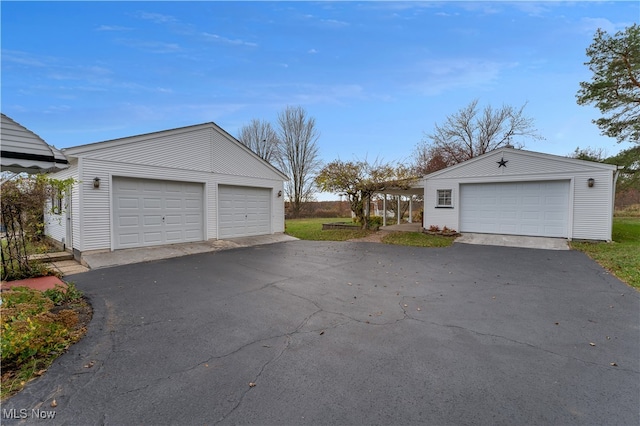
243, 211
526, 208
148, 212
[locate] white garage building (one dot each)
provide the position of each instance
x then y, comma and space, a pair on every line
188, 184
517, 192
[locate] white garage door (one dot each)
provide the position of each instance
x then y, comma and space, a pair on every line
243, 211
153, 212
526, 208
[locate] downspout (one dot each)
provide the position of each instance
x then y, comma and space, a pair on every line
616, 174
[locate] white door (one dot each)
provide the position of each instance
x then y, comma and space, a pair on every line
516, 208
150, 212
243, 211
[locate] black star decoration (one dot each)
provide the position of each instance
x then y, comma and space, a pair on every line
502, 163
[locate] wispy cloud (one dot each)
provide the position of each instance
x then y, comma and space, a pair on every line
312, 51
225, 40
112, 28
22, 58
156, 17
590, 25
152, 46
443, 75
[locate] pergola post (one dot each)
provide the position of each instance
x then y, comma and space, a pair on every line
410, 208
384, 210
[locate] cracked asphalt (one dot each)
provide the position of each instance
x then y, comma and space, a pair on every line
351, 333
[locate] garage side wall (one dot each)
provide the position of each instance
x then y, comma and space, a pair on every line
593, 207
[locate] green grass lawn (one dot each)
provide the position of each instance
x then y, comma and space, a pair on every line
417, 239
311, 229
622, 256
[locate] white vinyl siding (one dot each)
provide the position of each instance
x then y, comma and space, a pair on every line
153, 212
175, 155
243, 211
589, 210
515, 208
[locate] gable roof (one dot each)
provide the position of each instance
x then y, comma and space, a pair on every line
80, 150
564, 163
24, 151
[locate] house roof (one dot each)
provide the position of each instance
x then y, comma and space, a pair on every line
79, 150
583, 164
24, 151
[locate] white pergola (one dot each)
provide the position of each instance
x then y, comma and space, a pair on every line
416, 190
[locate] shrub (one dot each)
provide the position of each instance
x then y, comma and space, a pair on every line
33, 327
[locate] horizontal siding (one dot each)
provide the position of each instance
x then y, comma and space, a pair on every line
229, 158
56, 225
189, 150
519, 163
593, 212
96, 203
441, 217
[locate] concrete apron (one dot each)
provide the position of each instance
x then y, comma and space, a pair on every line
104, 258
544, 243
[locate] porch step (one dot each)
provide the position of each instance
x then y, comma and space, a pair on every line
68, 267
52, 257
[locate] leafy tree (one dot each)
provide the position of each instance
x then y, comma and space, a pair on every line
22, 209
629, 159
615, 85
589, 154
299, 161
260, 137
360, 180
471, 132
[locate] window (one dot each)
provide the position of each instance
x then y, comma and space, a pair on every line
56, 202
444, 198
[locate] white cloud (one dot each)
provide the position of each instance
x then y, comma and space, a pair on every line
156, 17
152, 46
236, 42
312, 51
112, 28
590, 25
439, 76
21, 58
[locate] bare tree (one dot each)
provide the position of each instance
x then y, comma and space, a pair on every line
299, 160
471, 132
260, 137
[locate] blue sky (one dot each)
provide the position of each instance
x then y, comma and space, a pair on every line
375, 75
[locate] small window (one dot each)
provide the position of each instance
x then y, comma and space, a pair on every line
444, 198
56, 202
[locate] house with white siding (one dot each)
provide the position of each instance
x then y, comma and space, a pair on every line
517, 192
188, 184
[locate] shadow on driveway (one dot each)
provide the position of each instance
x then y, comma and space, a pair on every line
351, 333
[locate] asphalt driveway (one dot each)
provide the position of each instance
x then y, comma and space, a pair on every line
351, 333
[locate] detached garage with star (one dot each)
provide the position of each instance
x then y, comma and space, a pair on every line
194, 183
515, 192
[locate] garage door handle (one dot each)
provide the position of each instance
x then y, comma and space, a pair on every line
163, 218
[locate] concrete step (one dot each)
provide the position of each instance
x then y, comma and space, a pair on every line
68, 267
52, 257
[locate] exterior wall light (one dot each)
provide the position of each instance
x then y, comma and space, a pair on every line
279, 194
96, 182
591, 182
